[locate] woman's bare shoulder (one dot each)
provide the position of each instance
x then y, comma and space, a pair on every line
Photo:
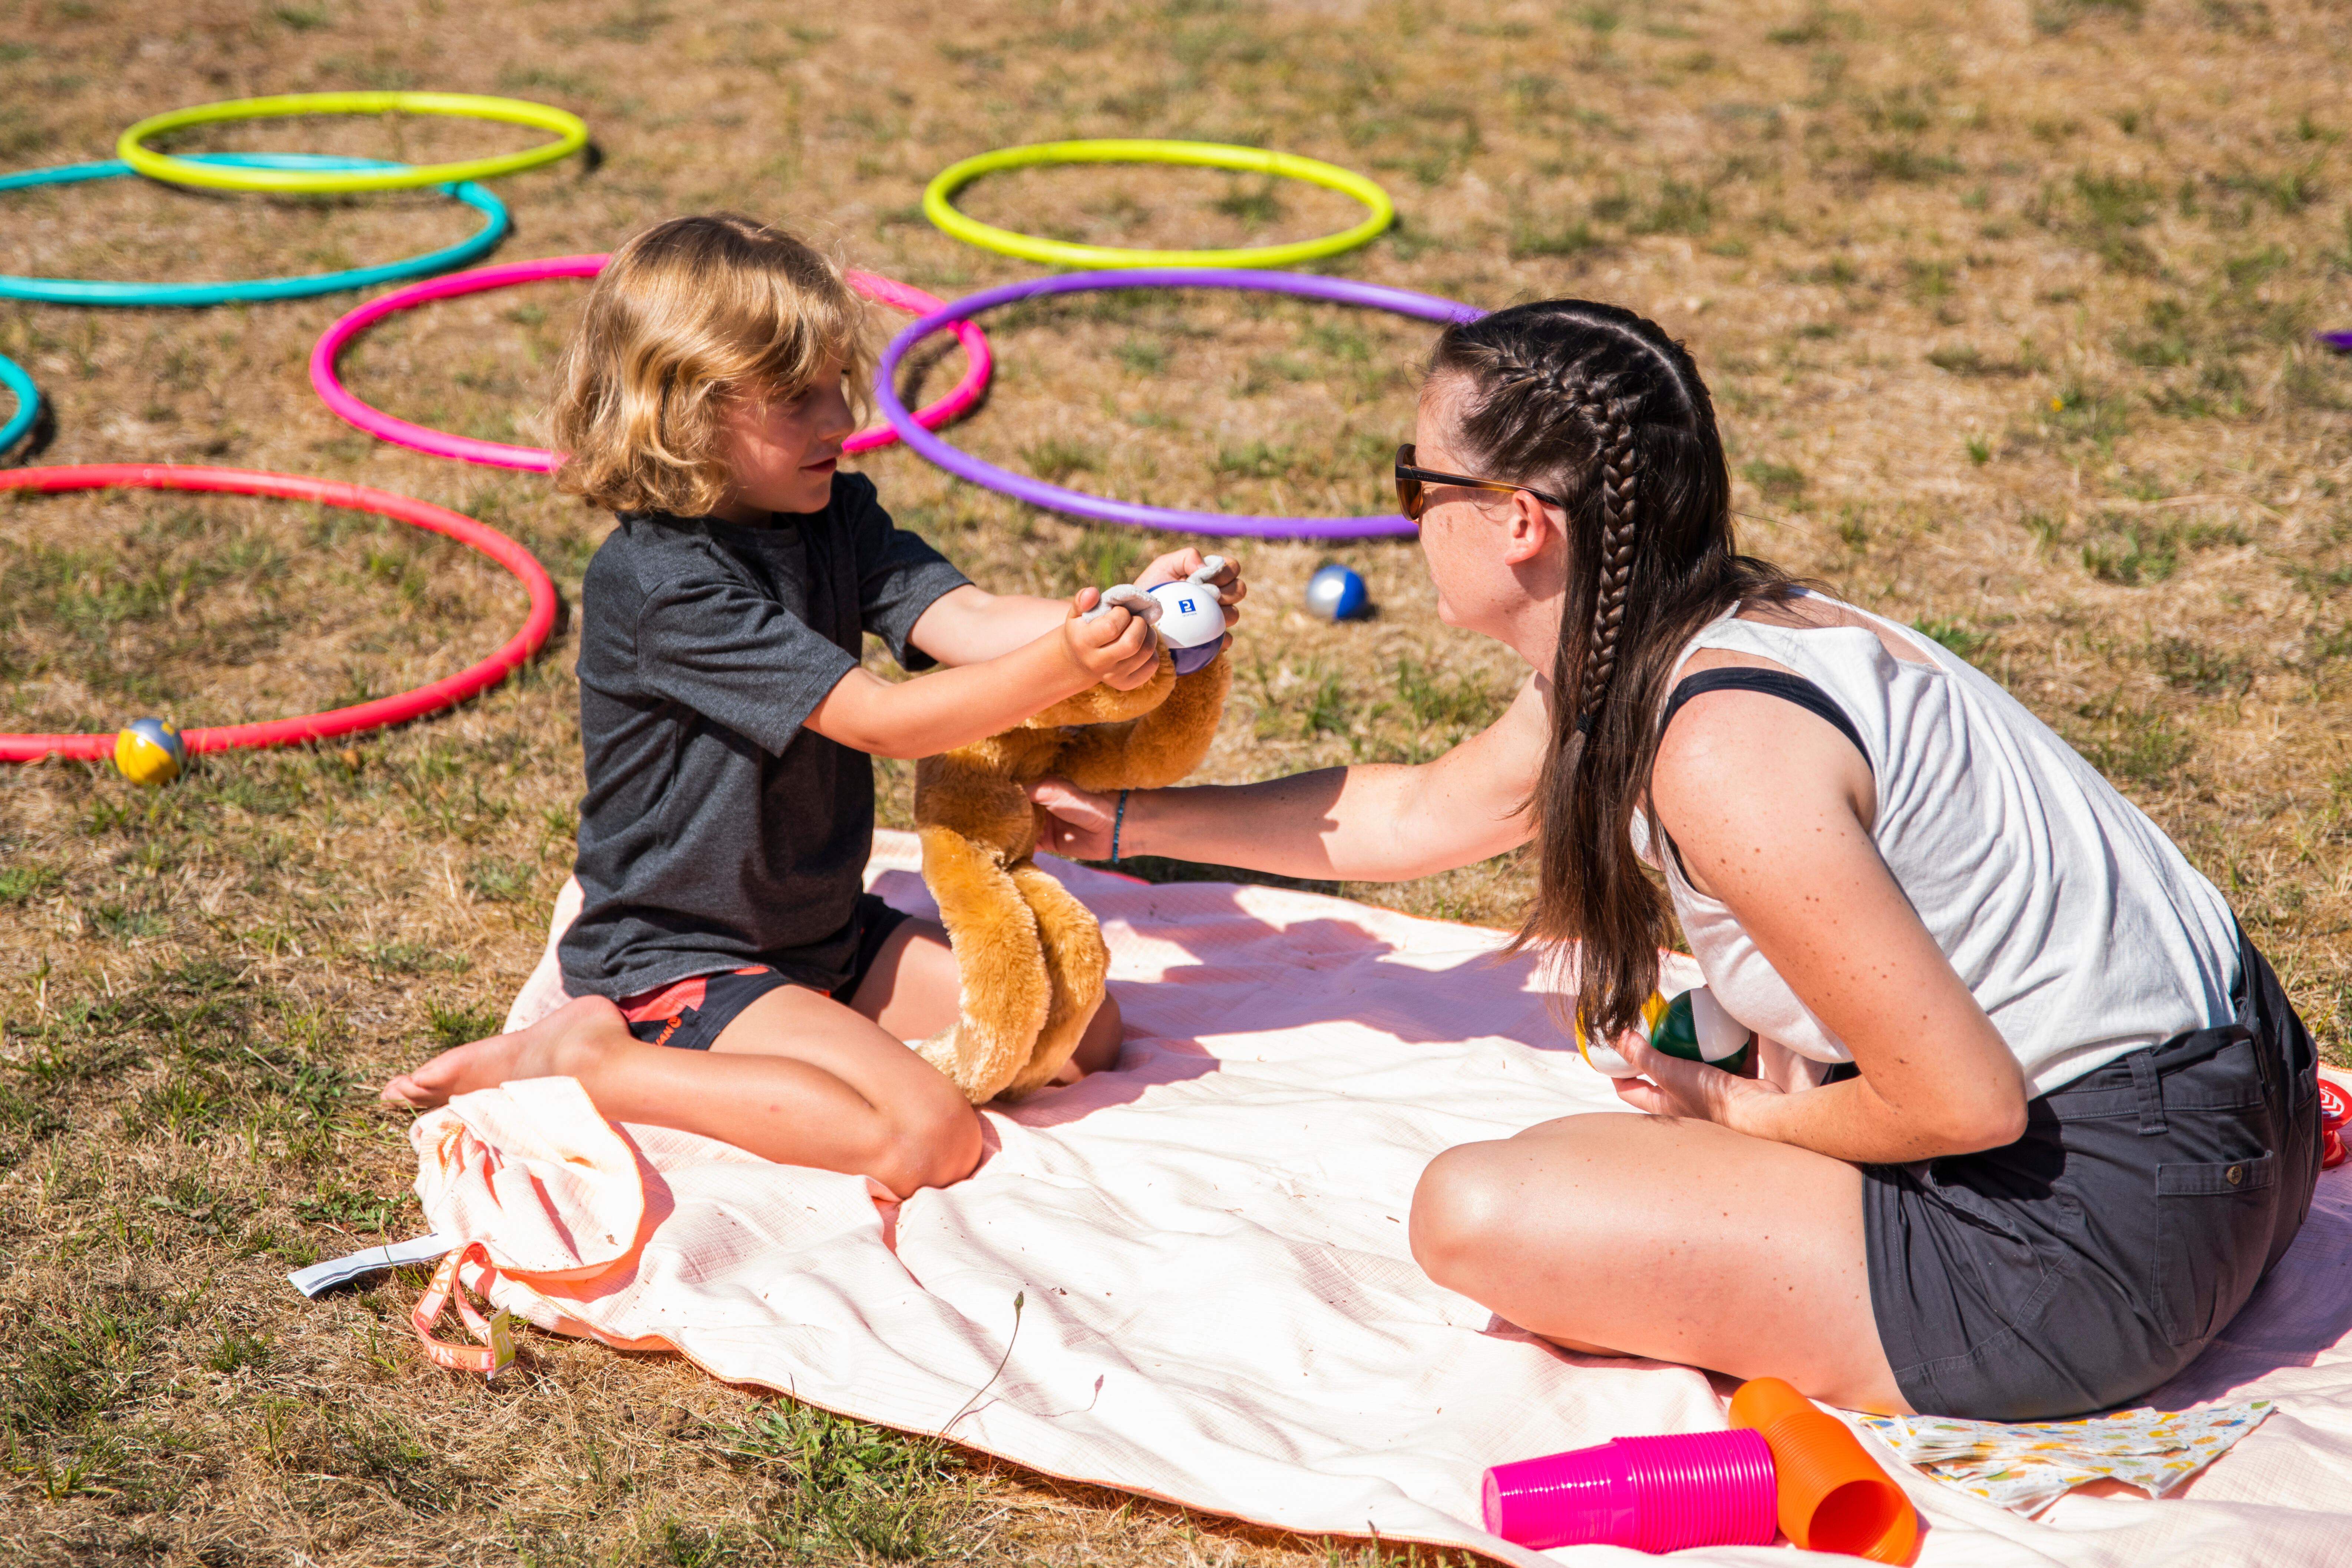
1815, 612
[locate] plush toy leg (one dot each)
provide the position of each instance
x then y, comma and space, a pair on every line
1001, 971
1075, 960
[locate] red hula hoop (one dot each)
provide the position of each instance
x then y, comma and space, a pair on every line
444, 693
328, 382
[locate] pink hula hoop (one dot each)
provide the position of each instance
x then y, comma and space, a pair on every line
444, 693
539, 459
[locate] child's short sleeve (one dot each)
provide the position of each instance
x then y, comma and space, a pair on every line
735, 655
898, 575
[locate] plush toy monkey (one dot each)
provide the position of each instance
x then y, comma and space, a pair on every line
1031, 958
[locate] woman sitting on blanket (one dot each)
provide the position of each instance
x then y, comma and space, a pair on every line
2033, 1116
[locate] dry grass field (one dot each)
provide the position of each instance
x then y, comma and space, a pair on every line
2007, 308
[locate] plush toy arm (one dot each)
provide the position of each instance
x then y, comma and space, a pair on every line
1161, 747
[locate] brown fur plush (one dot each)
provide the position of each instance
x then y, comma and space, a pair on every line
1030, 957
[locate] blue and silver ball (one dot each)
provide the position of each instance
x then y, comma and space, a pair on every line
150, 751
1337, 594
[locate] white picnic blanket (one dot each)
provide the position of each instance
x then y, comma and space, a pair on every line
1218, 1304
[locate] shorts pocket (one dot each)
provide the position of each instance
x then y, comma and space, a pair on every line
2212, 1237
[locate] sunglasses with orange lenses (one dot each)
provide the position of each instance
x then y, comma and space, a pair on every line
1412, 485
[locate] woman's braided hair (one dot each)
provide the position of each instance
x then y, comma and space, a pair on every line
1597, 405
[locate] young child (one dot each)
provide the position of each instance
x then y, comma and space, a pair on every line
731, 976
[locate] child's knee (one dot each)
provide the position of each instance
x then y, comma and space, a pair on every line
935, 1144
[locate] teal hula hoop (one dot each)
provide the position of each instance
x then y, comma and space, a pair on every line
78, 291
28, 402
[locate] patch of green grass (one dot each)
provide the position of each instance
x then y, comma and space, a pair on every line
1327, 710
2207, 671
1254, 206
2134, 555
1257, 460
2059, 16
1963, 359
2079, 411
1560, 238
1139, 356
854, 1487
2134, 746
1269, 371
345, 1208
2102, 212
1958, 636
118, 920
452, 1026
413, 957
235, 1351
1675, 209
1464, 704
1101, 557
1782, 483
501, 881
18, 883
1055, 459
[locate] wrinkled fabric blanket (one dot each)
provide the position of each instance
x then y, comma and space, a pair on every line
1218, 1304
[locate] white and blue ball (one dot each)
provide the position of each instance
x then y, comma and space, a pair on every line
1337, 594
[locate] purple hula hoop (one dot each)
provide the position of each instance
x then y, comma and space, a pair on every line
1077, 503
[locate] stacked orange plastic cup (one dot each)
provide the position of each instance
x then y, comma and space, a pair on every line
1833, 1496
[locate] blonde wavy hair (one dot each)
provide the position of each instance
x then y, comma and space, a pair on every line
687, 317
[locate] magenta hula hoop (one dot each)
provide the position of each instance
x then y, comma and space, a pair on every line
539, 459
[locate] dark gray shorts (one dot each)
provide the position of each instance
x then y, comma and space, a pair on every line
2082, 1265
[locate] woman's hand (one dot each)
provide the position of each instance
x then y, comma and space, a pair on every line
1674, 1086
1077, 822
1177, 566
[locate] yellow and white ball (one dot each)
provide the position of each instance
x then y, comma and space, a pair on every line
150, 751
1605, 1058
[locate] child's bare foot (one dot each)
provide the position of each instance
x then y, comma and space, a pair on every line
538, 1051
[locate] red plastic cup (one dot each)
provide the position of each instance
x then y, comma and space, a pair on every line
1653, 1494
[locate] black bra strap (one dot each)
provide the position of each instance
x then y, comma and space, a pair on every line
1778, 683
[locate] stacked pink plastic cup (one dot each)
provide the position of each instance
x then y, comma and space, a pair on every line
1653, 1494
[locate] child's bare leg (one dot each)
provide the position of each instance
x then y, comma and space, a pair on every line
797, 1077
912, 992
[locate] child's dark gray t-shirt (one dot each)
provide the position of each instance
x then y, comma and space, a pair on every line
716, 832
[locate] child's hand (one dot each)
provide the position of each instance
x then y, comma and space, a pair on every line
1180, 564
1117, 648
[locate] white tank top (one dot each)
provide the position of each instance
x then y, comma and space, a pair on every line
2081, 929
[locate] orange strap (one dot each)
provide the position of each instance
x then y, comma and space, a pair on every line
495, 1332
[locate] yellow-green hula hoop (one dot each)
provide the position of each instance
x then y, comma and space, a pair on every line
939, 203
570, 130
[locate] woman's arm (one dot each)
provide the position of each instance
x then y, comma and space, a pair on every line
967, 625
1373, 823
1770, 807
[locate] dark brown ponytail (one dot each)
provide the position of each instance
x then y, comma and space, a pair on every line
1598, 406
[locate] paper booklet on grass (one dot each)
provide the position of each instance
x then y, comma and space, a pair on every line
1219, 1303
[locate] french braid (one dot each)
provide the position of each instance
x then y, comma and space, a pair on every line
1619, 480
